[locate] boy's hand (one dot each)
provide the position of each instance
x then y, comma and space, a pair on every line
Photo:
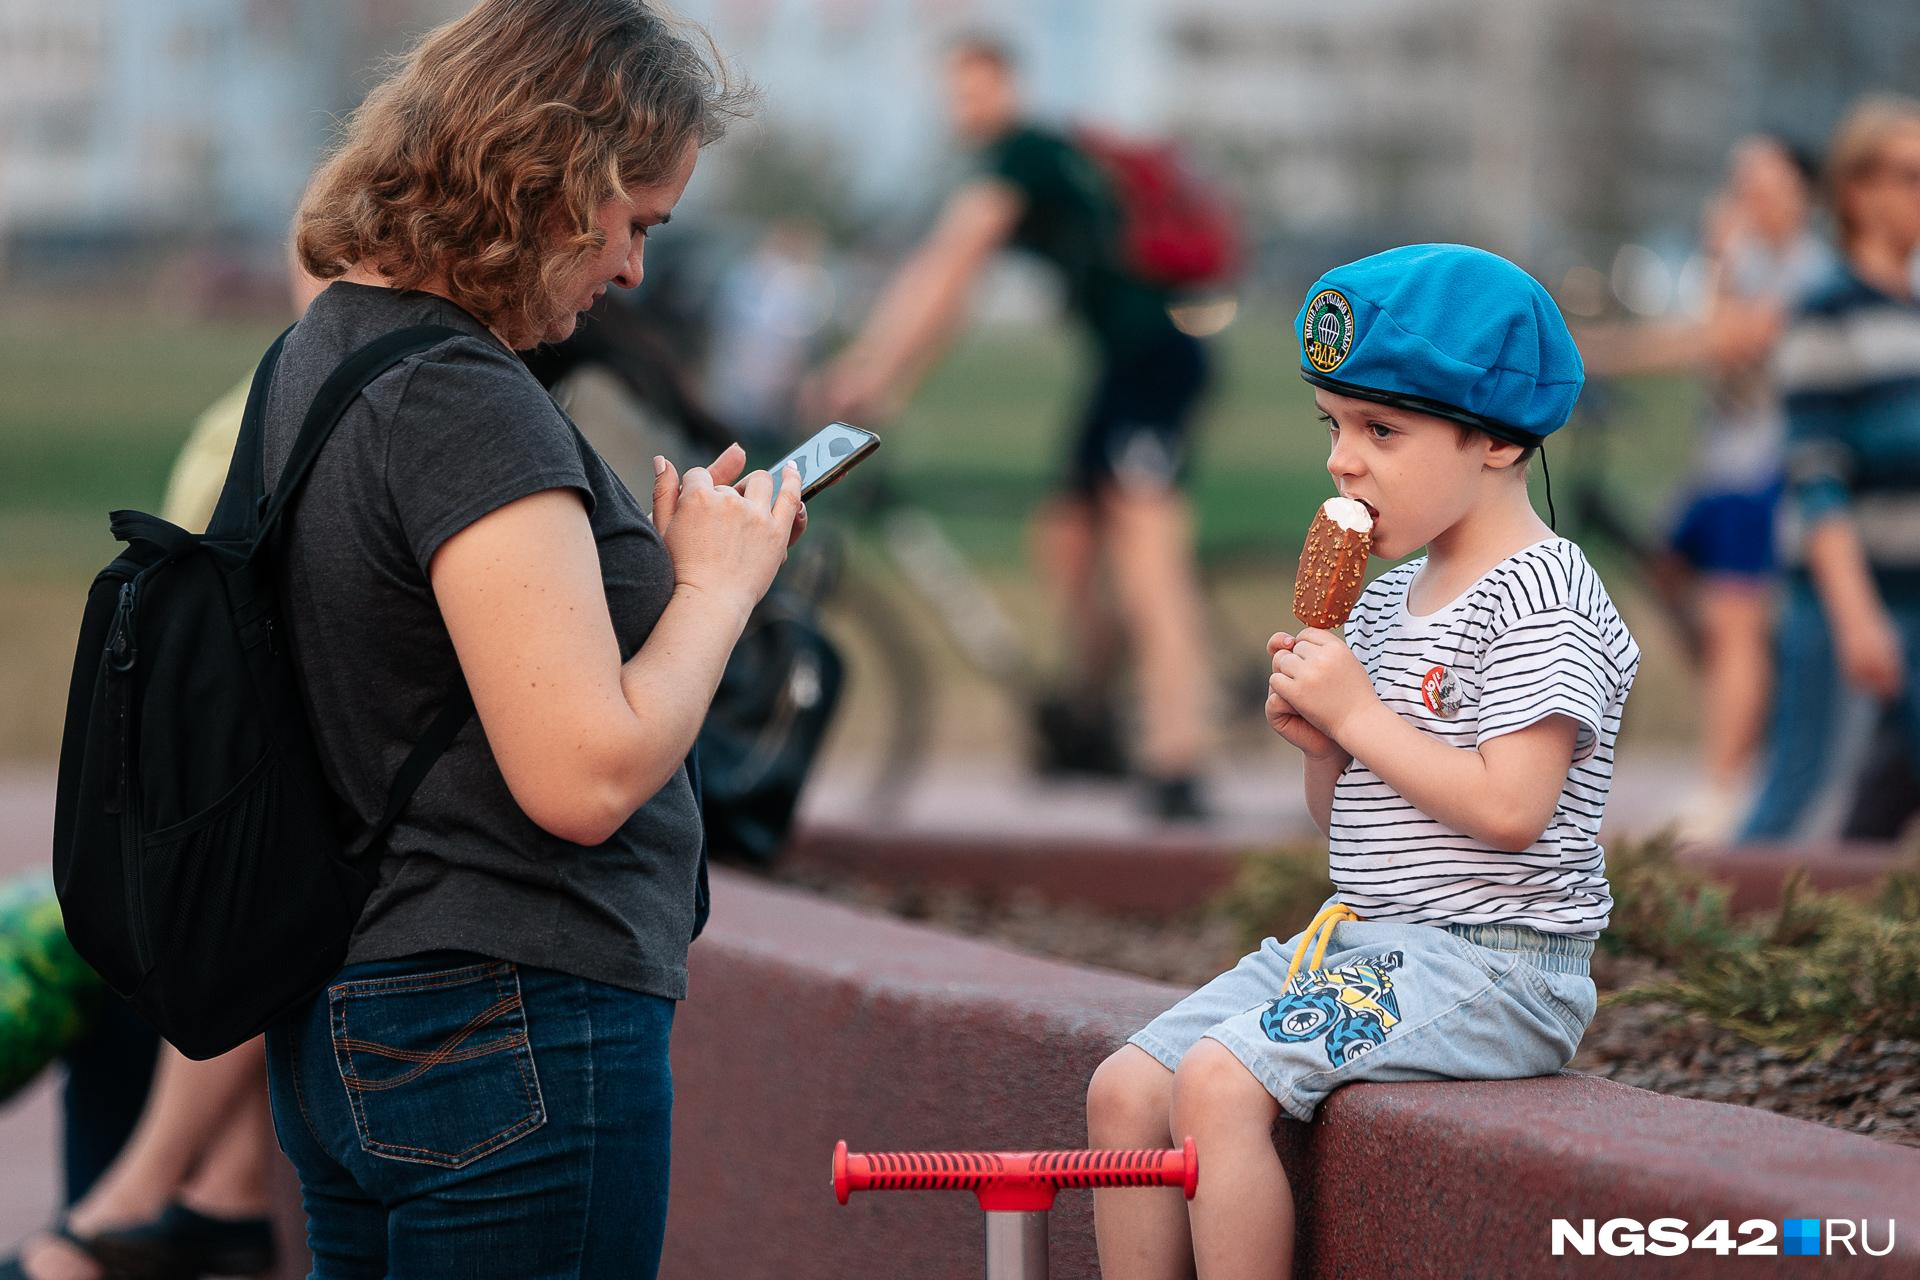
1318, 676
1286, 721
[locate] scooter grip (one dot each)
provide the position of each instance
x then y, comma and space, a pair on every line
1012, 1179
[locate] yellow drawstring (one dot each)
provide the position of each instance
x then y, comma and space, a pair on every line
1323, 922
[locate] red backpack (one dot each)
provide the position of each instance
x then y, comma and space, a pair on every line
1176, 230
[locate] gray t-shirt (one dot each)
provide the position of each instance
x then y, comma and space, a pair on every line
439, 440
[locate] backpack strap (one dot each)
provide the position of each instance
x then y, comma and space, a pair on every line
341, 388
420, 761
238, 507
330, 403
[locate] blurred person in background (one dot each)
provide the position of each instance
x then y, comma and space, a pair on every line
1848, 645
187, 1194
166, 1157
1760, 258
771, 308
503, 1106
1123, 502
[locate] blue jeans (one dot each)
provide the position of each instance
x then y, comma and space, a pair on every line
1820, 732
451, 1115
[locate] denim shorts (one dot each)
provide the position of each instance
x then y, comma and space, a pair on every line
1391, 1002
450, 1114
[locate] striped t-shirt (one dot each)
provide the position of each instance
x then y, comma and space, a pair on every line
1849, 368
1536, 636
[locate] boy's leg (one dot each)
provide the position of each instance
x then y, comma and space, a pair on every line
1242, 1213
1141, 1232
1131, 1103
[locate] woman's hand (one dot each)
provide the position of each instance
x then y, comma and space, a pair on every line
1868, 648
1286, 721
1318, 678
727, 536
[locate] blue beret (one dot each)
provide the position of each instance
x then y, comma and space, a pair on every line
1443, 329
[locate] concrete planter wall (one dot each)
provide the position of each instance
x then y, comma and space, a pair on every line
809, 1022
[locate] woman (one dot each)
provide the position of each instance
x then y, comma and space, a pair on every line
484, 1088
1848, 650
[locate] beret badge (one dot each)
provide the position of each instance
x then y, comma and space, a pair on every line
1326, 331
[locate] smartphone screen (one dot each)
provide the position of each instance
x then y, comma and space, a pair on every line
829, 454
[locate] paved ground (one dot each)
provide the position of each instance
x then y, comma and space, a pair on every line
1257, 800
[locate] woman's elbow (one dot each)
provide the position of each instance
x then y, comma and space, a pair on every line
589, 803
575, 815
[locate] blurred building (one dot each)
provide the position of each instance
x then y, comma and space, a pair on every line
1546, 129
1549, 129
862, 76
141, 118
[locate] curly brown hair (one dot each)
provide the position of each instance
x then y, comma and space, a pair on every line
479, 162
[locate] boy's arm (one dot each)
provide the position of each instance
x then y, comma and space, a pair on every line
1501, 794
1325, 760
1323, 773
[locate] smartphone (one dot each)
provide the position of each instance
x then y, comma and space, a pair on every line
826, 457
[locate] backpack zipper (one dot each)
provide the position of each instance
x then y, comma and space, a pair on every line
123, 652
121, 649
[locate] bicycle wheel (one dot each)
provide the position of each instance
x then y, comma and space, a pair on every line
887, 657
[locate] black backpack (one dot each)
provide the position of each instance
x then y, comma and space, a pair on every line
198, 851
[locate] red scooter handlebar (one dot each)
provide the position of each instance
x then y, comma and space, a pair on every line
1012, 1180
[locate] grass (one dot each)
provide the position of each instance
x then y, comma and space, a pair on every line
94, 409
96, 401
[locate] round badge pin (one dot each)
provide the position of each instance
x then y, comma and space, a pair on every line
1326, 331
1441, 692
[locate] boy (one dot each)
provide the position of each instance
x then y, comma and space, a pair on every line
1459, 745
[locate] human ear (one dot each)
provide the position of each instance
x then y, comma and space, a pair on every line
1500, 454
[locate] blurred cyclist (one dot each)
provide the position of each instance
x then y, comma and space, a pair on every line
1035, 190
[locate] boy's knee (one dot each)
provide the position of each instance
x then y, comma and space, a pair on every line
1211, 1083
1128, 1100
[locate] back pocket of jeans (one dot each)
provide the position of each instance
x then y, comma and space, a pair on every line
437, 1067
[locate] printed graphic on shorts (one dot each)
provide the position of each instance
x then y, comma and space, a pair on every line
1353, 1007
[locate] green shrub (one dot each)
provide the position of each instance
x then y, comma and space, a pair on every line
1664, 911
1275, 893
1813, 972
